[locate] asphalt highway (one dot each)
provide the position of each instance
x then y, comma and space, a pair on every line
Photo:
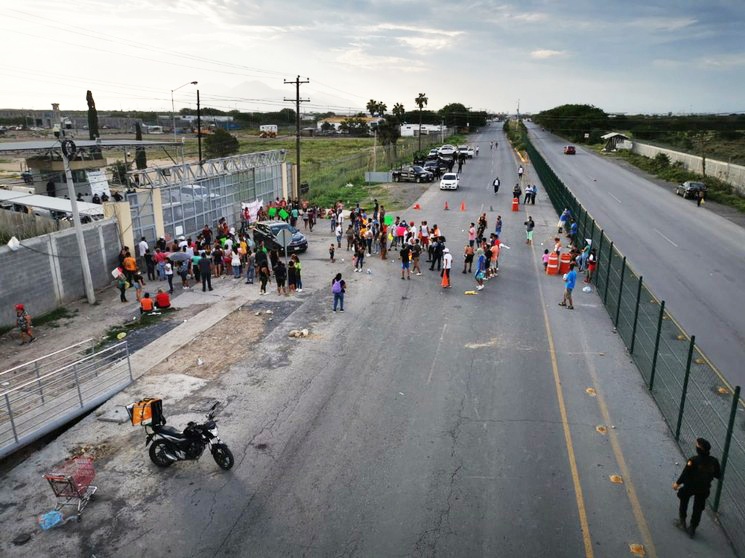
422, 421
689, 257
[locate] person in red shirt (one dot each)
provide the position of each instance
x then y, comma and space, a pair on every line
162, 299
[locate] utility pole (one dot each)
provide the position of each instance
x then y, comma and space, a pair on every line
68, 150
199, 130
297, 100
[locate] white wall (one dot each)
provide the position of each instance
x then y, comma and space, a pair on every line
731, 174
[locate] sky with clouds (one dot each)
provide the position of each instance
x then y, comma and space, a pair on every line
650, 56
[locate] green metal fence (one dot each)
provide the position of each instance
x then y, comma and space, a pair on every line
694, 398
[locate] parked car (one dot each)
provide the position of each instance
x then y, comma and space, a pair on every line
268, 231
413, 173
449, 181
569, 150
446, 150
690, 189
437, 166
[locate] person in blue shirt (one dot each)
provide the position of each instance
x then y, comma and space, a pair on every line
570, 280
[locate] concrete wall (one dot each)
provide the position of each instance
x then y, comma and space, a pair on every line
731, 174
45, 271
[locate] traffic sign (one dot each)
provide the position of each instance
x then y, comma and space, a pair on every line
284, 237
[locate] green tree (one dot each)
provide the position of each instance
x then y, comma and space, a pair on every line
399, 111
220, 144
355, 126
92, 116
574, 121
140, 154
454, 114
421, 101
389, 133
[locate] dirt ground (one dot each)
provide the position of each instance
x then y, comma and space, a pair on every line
398, 195
218, 348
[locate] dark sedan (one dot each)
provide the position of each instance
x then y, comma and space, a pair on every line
268, 232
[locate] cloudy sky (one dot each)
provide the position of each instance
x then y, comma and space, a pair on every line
631, 56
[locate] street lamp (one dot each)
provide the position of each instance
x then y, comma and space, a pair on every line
173, 107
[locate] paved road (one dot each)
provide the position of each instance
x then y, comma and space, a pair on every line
690, 257
421, 422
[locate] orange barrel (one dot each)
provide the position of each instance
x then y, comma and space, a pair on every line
515, 204
565, 260
553, 264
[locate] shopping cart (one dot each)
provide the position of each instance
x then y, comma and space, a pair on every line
71, 483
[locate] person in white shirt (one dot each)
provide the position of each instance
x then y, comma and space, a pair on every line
142, 248
447, 264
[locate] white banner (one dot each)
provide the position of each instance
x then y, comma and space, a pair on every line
253, 208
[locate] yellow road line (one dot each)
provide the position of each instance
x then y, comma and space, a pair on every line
636, 507
581, 509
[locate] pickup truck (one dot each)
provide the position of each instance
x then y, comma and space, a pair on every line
412, 174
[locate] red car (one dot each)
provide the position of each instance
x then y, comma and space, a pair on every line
569, 150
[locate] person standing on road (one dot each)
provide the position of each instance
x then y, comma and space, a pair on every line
699, 198
205, 271
472, 234
437, 251
695, 481
480, 269
520, 172
570, 280
416, 252
23, 321
529, 226
496, 185
405, 254
498, 226
263, 277
338, 288
516, 192
528, 192
447, 264
467, 258
280, 275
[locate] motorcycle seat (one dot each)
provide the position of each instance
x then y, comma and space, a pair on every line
170, 431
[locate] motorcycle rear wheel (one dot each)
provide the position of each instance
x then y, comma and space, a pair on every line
223, 456
158, 454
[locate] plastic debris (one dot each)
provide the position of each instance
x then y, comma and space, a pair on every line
200, 361
587, 289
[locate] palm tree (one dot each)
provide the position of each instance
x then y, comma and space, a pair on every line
372, 106
398, 112
421, 102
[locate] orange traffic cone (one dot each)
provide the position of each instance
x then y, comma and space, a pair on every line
445, 281
446, 206
515, 204
462, 206
417, 206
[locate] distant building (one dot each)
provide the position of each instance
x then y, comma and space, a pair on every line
615, 140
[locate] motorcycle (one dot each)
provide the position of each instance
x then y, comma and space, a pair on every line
170, 445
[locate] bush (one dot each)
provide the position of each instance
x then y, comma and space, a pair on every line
662, 161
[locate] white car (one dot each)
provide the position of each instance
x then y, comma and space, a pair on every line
449, 181
446, 150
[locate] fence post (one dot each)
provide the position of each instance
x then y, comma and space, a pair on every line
129, 362
592, 230
727, 440
620, 293
77, 383
607, 275
656, 346
10, 416
685, 388
38, 381
636, 315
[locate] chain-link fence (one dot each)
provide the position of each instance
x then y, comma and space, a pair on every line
694, 398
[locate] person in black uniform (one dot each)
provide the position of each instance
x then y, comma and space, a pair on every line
695, 481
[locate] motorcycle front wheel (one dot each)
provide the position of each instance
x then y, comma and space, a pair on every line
223, 456
158, 454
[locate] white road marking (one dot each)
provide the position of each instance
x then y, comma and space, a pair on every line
614, 197
437, 352
666, 238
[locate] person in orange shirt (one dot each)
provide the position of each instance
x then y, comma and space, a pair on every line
146, 304
129, 264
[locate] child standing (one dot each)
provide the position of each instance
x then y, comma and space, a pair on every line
545, 259
331, 252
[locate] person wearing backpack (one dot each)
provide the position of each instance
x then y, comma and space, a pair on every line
338, 287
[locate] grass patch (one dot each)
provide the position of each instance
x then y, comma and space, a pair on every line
145, 320
717, 190
50, 319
